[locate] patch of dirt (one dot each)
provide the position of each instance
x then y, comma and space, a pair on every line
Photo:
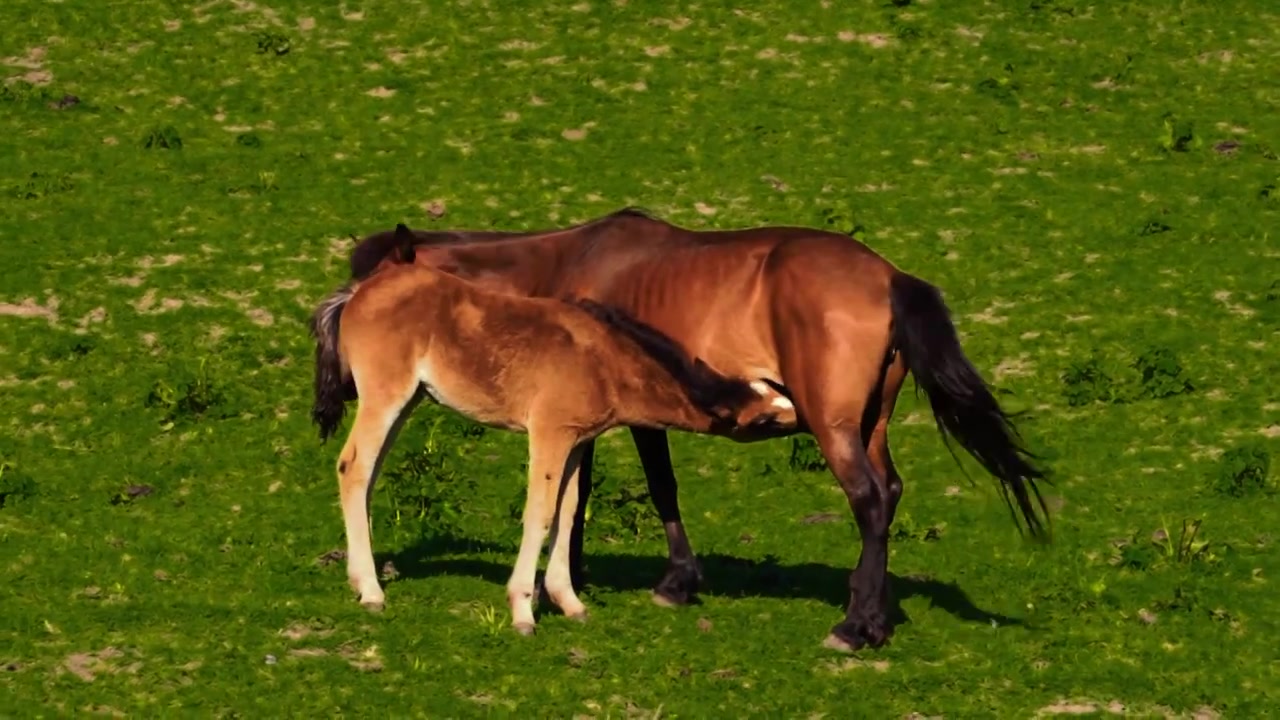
704, 209
146, 305
1271, 431
93, 317
1013, 367
990, 316
1066, 707
366, 660
435, 208
306, 24
853, 663
88, 665
260, 317
29, 308
380, 92
33, 63
875, 40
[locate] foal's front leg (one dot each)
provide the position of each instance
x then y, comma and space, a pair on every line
550, 455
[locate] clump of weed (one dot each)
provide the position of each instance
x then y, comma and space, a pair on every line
162, 138
1154, 227
249, 140
1163, 549
620, 508
840, 219
265, 183
273, 44
42, 185
1052, 7
15, 486
191, 399
1177, 135
1160, 375
1271, 301
427, 486
1088, 382
1154, 374
22, 93
1242, 471
806, 456
905, 527
1003, 90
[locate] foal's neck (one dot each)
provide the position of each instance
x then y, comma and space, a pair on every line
646, 394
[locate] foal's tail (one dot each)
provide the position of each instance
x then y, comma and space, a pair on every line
334, 385
963, 405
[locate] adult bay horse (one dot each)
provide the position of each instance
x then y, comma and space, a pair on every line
818, 315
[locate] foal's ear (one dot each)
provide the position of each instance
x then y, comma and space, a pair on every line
404, 243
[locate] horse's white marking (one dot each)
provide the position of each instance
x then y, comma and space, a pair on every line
780, 401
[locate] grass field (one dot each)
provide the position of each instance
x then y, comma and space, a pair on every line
1095, 186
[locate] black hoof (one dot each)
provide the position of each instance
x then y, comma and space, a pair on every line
859, 633
679, 585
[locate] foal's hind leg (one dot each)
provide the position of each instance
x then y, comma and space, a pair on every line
379, 418
559, 578
552, 454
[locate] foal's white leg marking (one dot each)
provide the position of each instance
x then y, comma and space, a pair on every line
558, 581
783, 403
761, 387
548, 457
378, 422
369, 436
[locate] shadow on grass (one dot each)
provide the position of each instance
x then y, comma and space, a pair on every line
723, 576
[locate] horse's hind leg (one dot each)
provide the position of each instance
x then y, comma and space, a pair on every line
576, 570
834, 376
878, 444
379, 418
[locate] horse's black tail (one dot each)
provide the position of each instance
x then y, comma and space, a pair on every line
963, 405
333, 385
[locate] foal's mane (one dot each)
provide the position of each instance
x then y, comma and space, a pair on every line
372, 249
709, 391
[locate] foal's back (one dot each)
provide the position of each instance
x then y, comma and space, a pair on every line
485, 355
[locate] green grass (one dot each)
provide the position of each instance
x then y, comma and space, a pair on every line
1093, 185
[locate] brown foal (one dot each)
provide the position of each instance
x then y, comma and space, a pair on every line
562, 372
819, 316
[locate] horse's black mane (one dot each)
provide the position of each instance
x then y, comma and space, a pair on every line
709, 391
372, 249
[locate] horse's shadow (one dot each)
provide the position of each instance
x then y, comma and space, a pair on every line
724, 576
